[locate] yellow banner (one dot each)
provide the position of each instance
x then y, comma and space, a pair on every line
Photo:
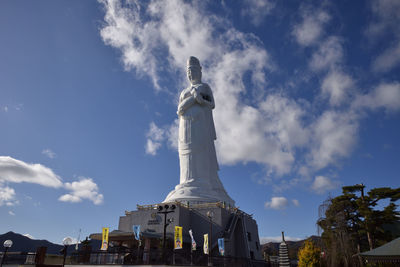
205, 247
178, 237
104, 242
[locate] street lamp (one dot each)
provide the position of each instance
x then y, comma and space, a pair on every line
165, 210
66, 242
210, 215
7, 244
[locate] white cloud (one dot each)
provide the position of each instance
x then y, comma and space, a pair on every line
152, 147
323, 184
7, 196
257, 10
277, 239
70, 240
29, 236
385, 17
336, 86
277, 203
385, 21
70, 198
329, 54
228, 56
19, 107
385, 95
388, 59
83, 189
285, 184
74, 240
49, 153
155, 136
310, 29
295, 202
284, 119
249, 134
11, 213
155, 133
253, 122
172, 134
334, 136
17, 171
11, 107
134, 42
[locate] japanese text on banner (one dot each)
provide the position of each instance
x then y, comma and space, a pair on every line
104, 242
178, 237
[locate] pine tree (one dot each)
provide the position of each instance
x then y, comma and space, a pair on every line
352, 223
371, 219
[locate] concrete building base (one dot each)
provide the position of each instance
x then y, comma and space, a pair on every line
239, 229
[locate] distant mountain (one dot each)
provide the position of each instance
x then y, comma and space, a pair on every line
272, 248
25, 244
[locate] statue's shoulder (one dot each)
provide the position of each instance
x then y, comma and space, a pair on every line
185, 90
204, 87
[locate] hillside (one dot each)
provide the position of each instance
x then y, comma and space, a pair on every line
25, 244
272, 248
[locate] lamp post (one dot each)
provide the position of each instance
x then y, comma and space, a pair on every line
165, 210
66, 242
7, 244
210, 215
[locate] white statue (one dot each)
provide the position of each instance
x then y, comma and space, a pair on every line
199, 180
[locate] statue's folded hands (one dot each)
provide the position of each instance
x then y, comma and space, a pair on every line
185, 104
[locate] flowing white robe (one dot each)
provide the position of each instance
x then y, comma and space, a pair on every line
199, 179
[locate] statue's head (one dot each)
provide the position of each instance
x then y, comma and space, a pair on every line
194, 70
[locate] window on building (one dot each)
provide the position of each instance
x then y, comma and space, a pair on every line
257, 246
249, 236
252, 255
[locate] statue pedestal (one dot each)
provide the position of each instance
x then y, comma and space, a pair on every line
194, 193
238, 228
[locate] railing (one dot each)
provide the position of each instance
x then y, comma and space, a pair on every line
134, 257
156, 257
194, 206
18, 258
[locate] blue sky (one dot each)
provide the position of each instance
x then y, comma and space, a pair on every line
307, 100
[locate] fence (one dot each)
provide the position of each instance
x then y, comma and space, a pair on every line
135, 257
156, 257
18, 258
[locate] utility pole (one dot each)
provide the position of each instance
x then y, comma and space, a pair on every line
210, 215
165, 210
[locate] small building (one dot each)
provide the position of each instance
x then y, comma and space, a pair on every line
388, 253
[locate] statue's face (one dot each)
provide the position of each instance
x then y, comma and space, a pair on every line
194, 74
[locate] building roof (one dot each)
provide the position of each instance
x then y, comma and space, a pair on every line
389, 249
388, 252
